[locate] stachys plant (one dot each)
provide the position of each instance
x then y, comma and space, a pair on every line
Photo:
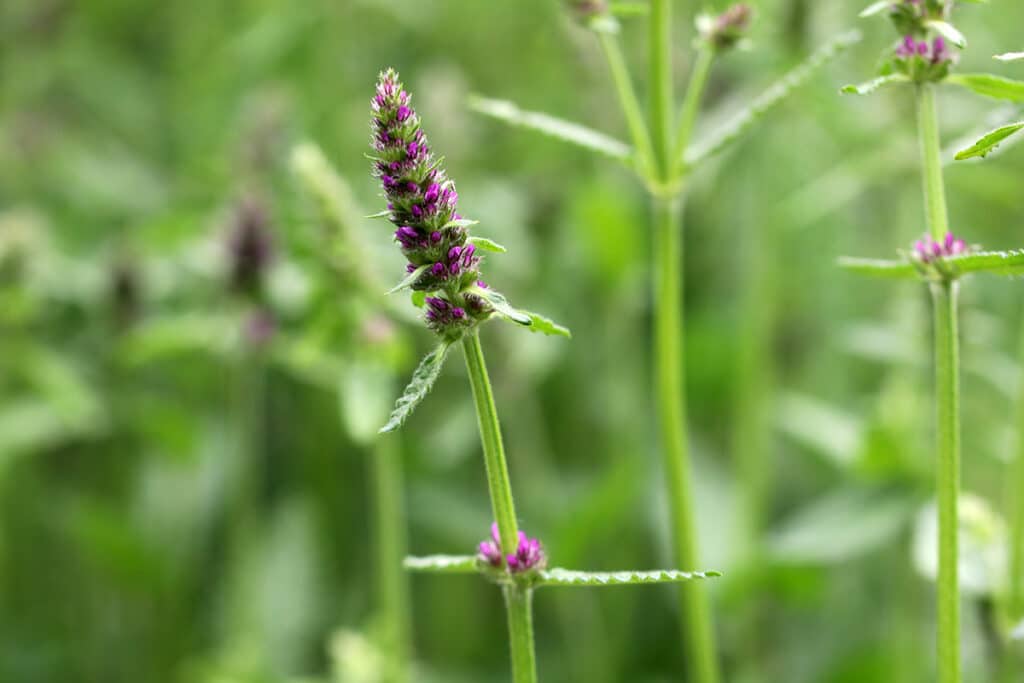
443, 272
923, 58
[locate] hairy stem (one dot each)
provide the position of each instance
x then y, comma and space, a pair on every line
518, 600
393, 588
691, 105
1015, 494
931, 162
629, 103
947, 415
671, 406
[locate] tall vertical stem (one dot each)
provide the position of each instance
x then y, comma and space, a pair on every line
517, 598
671, 407
947, 415
660, 69
392, 588
1015, 491
947, 398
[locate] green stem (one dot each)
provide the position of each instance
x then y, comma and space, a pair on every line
671, 406
1016, 501
660, 67
931, 162
393, 588
947, 415
517, 598
691, 106
629, 103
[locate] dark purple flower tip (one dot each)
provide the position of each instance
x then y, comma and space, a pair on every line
928, 250
453, 253
403, 113
940, 52
458, 313
412, 187
409, 268
438, 269
481, 284
412, 149
407, 236
432, 193
528, 556
467, 256
454, 269
490, 553
435, 236
416, 211
907, 48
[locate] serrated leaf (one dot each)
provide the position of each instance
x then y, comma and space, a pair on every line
989, 141
1009, 56
875, 8
868, 87
566, 131
487, 245
501, 305
409, 279
422, 381
775, 94
568, 577
948, 31
460, 223
539, 323
899, 270
993, 262
990, 85
442, 564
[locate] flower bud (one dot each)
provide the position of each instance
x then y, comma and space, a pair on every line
728, 28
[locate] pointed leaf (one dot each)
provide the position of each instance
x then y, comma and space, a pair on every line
409, 279
422, 381
989, 142
1009, 56
487, 245
994, 262
568, 577
460, 223
949, 32
990, 85
386, 213
501, 305
775, 94
874, 84
549, 125
900, 270
875, 8
442, 564
539, 323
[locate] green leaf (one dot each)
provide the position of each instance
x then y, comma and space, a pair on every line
993, 262
568, 577
874, 84
501, 305
460, 223
539, 323
409, 279
630, 9
487, 245
990, 85
442, 564
900, 270
989, 141
386, 213
419, 298
948, 31
875, 8
1009, 56
739, 124
548, 125
422, 381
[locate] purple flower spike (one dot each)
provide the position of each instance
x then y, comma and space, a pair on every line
929, 250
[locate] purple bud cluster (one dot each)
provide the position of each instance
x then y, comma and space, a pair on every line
529, 555
936, 53
923, 61
250, 248
422, 206
928, 250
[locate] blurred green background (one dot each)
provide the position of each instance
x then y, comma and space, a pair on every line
180, 502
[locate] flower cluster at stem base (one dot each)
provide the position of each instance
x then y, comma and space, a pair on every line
928, 250
528, 557
923, 62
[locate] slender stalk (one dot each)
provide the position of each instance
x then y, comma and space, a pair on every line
947, 398
629, 102
691, 105
392, 588
660, 68
931, 163
517, 598
1016, 501
947, 415
671, 405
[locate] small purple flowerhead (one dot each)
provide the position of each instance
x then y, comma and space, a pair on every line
728, 28
490, 550
928, 250
923, 61
585, 10
250, 248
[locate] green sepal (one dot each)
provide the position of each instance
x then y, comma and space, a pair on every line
568, 577
989, 141
487, 245
566, 131
990, 85
874, 84
410, 279
422, 382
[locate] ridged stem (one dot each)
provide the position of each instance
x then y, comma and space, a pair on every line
517, 599
660, 70
393, 586
931, 162
671, 408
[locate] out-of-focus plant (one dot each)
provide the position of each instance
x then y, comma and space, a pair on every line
665, 154
443, 262
923, 58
